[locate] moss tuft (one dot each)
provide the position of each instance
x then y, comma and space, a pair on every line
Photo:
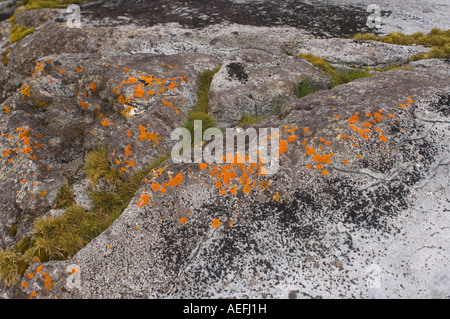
438, 40
248, 119
64, 198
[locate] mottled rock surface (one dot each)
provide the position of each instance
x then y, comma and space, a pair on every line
359, 205
369, 221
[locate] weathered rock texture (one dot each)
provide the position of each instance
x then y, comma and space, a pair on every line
359, 205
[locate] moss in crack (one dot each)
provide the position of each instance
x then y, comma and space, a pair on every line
438, 40
201, 110
64, 198
61, 237
5, 59
18, 32
248, 119
337, 78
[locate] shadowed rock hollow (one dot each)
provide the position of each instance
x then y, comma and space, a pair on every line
358, 207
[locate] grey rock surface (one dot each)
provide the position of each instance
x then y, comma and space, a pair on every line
370, 221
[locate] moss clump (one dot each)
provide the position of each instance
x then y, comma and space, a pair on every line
13, 230
9, 270
61, 237
97, 165
201, 110
5, 59
64, 198
304, 88
248, 119
438, 40
337, 78
40, 4
18, 31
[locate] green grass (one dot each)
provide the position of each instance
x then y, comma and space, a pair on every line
337, 78
64, 198
61, 237
201, 110
248, 119
5, 59
438, 40
40, 4
304, 88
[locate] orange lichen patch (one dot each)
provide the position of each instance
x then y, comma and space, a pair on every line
26, 90
282, 147
310, 150
7, 152
308, 166
93, 86
43, 193
410, 100
155, 186
150, 92
30, 275
276, 197
126, 70
360, 156
319, 166
218, 184
353, 119
203, 166
5, 109
324, 172
390, 115
48, 283
38, 68
306, 130
144, 136
83, 104
378, 116
216, 223
143, 201
123, 100
325, 158
223, 192
264, 185
367, 124
129, 134
25, 284
382, 138
292, 138
378, 129
131, 80
345, 162
34, 294
139, 91
233, 190
293, 129
176, 181
247, 189
27, 150
39, 269
127, 152
327, 143
105, 122
402, 106
337, 116
173, 85
183, 220
362, 132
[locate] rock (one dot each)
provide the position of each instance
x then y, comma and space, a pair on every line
81, 193
10, 82
384, 183
75, 104
256, 83
354, 53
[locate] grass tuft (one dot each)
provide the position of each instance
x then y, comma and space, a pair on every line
438, 40
248, 119
64, 198
337, 78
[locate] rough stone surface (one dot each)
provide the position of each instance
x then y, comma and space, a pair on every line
256, 83
374, 226
358, 207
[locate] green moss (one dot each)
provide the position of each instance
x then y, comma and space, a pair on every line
13, 230
24, 244
304, 88
337, 78
64, 198
39, 4
201, 110
248, 119
438, 40
18, 32
5, 59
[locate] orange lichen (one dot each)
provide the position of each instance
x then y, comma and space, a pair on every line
93, 86
143, 201
105, 122
353, 119
176, 181
216, 223
309, 150
183, 220
276, 197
